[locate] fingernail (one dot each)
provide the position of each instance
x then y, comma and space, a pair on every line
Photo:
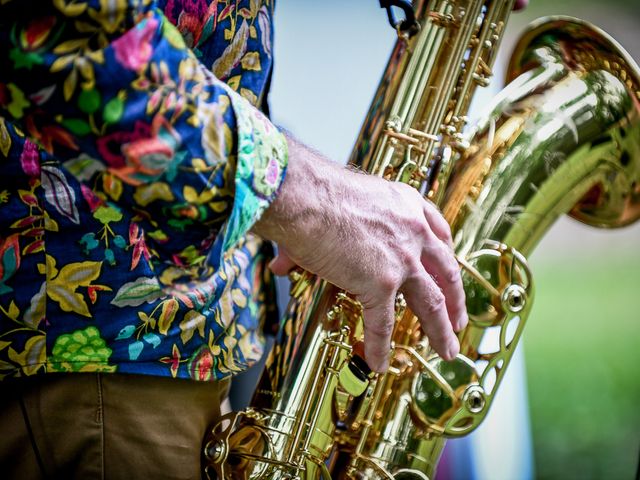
379, 367
383, 367
462, 322
452, 350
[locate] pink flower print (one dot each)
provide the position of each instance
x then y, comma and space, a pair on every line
30, 159
272, 173
110, 146
133, 50
91, 198
265, 30
147, 151
266, 123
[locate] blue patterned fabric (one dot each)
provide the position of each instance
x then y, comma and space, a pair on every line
133, 164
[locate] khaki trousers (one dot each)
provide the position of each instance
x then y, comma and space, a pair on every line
105, 426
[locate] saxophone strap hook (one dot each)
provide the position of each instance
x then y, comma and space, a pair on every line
409, 25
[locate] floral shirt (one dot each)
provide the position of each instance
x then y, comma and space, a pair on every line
133, 163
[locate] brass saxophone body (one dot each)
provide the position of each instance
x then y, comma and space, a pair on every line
564, 136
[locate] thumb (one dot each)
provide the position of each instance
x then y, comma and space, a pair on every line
282, 264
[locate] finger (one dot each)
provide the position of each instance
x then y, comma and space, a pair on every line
438, 224
427, 301
282, 264
441, 264
379, 321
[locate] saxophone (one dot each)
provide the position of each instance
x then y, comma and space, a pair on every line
563, 137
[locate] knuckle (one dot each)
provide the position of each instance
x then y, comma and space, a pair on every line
446, 233
413, 268
404, 188
409, 194
420, 227
435, 303
408, 264
388, 282
382, 329
452, 272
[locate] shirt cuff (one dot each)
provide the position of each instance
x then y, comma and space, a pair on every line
260, 168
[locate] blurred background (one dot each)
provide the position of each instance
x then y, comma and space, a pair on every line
571, 408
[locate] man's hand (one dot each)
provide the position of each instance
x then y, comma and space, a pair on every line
372, 238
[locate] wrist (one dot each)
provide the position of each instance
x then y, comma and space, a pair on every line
306, 208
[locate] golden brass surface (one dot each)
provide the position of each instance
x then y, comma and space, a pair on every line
563, 137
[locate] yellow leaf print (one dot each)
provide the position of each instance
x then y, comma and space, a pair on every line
13, 311
69, 300
86, 69
224, 312
33, 356
250, 96
191, 196
191, 322
239, 298
199, 165
70, 84
145, 194
70, 46
255, 6
111, 14
61, 288
234, 82
218, 207
112, 186
168, 315
37, 308
49, 223
79, 274
232, 54
50, 268
5, 139
189, 193
228, 357
71, 9
97, 56
211, 139
251, 61
224, 101
61, 63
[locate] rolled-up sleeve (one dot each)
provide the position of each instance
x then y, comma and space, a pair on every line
111, 90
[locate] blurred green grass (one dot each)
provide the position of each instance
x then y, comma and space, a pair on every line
583, 366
